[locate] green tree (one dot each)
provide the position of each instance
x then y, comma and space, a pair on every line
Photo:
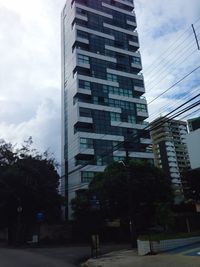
28, 184
192, 185
130, 192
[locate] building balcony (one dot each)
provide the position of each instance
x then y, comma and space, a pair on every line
136, 66
95, 55
132, 23
82, 40
135, 44
83, 65
84, 91
172, 159
174, 169
125, 2
99, 107
95, 11
108, 137
119, 9
82, 17
176, 181
93, 168
169, 144
87, 151
122, 51
85, 119
97, 80
170, 149
172, 164
171, 154
142, 114
129, 99
112, 27
127, 125
85, 29
140, 90
144, 155
125, 74
146, 141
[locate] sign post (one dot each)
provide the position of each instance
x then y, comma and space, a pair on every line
40, 219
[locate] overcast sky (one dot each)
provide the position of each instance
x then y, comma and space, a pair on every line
30, 63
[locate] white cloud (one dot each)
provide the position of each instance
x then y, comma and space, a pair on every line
30, 62
30, 72
168, 49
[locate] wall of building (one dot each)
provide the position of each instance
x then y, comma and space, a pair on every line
193, 143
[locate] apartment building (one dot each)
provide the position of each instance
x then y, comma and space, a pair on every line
102, 90
170, 150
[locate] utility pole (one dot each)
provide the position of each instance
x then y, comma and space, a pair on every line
195, 35
130, 196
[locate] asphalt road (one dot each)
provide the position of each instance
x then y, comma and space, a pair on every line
48, 257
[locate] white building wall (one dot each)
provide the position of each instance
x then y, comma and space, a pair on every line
193, 143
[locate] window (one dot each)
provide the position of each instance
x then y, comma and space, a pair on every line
83, 59
95, 100
115, 116
136, 60
82, 34
141, 107
85, 112
84, 84
99, 161
131, 119
80, 11
116, 145
117, 91
86, 177
118, 158
111, 77
86, 143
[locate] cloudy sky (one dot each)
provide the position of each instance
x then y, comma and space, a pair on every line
30, 63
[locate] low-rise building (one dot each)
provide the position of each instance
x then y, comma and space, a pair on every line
193, 142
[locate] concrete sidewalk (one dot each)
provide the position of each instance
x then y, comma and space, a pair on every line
130, 258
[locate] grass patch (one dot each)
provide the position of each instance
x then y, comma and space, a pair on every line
165, 236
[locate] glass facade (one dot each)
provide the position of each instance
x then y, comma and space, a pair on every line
101, 74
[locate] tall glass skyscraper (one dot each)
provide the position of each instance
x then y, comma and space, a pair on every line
102, 90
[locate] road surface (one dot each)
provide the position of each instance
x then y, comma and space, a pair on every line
48, 257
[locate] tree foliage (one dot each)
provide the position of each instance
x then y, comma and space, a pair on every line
192, 185
127, 191
28, 180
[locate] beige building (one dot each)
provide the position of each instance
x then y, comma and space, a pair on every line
170, 150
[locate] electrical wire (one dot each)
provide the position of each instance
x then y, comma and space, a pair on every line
183, 78
166, 119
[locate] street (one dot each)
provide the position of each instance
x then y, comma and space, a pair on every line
73, 256
49, 257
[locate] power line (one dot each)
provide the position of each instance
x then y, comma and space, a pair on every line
86, 137
163, 75
166, 64
166, 108
164, 120
171, 45
183, 78
171, 58
100, 138
170, 113
120, 144
192, 113
121, 122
